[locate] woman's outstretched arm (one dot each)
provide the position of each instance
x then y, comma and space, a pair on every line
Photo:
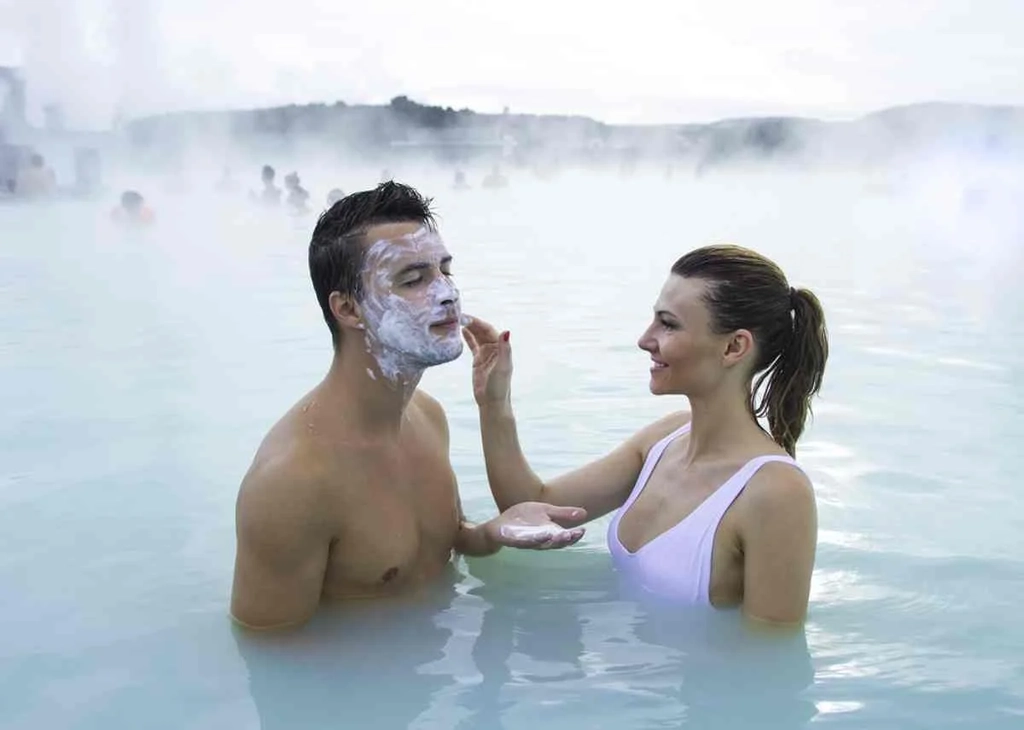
598, 487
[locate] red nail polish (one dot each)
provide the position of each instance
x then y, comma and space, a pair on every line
505, 336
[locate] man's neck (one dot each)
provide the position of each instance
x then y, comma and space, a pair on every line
377, 404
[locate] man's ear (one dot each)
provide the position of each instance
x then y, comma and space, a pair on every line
345, 310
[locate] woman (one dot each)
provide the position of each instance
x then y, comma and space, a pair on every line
711, 507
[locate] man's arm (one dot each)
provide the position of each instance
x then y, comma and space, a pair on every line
281, 559
779, 536
472, 538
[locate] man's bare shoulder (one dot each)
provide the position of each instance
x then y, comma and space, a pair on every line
431, 409
279, 477
292, 468
427, 403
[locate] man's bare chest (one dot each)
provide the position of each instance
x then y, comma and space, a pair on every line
395, 528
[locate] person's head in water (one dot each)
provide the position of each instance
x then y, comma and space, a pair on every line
133, 210
334, 196
132, 202
382, 277
727, 319
267, 175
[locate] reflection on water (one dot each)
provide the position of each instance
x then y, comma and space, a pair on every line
532, 641
139, 370
365, 664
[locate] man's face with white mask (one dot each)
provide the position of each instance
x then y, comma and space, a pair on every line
411, 308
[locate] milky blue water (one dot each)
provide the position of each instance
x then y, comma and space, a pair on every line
138, 373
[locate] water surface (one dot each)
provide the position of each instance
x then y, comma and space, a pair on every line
138, 372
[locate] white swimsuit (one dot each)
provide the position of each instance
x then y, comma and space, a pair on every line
677, 563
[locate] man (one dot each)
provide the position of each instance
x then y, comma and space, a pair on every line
297, 195
352, 493
271, 194
133, 210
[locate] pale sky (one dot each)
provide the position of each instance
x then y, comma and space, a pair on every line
642, 61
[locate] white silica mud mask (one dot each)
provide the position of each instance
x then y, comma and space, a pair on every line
411, 308
531, 532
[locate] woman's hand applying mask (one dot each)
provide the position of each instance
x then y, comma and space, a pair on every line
492, 362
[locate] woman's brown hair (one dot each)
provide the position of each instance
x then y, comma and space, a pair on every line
749, 291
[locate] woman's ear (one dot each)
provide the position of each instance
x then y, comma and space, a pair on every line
738, 347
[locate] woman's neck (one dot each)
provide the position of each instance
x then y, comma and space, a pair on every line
720, 423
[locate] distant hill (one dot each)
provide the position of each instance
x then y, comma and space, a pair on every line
405, 127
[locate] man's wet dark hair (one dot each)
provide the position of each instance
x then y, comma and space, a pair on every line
337, 250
